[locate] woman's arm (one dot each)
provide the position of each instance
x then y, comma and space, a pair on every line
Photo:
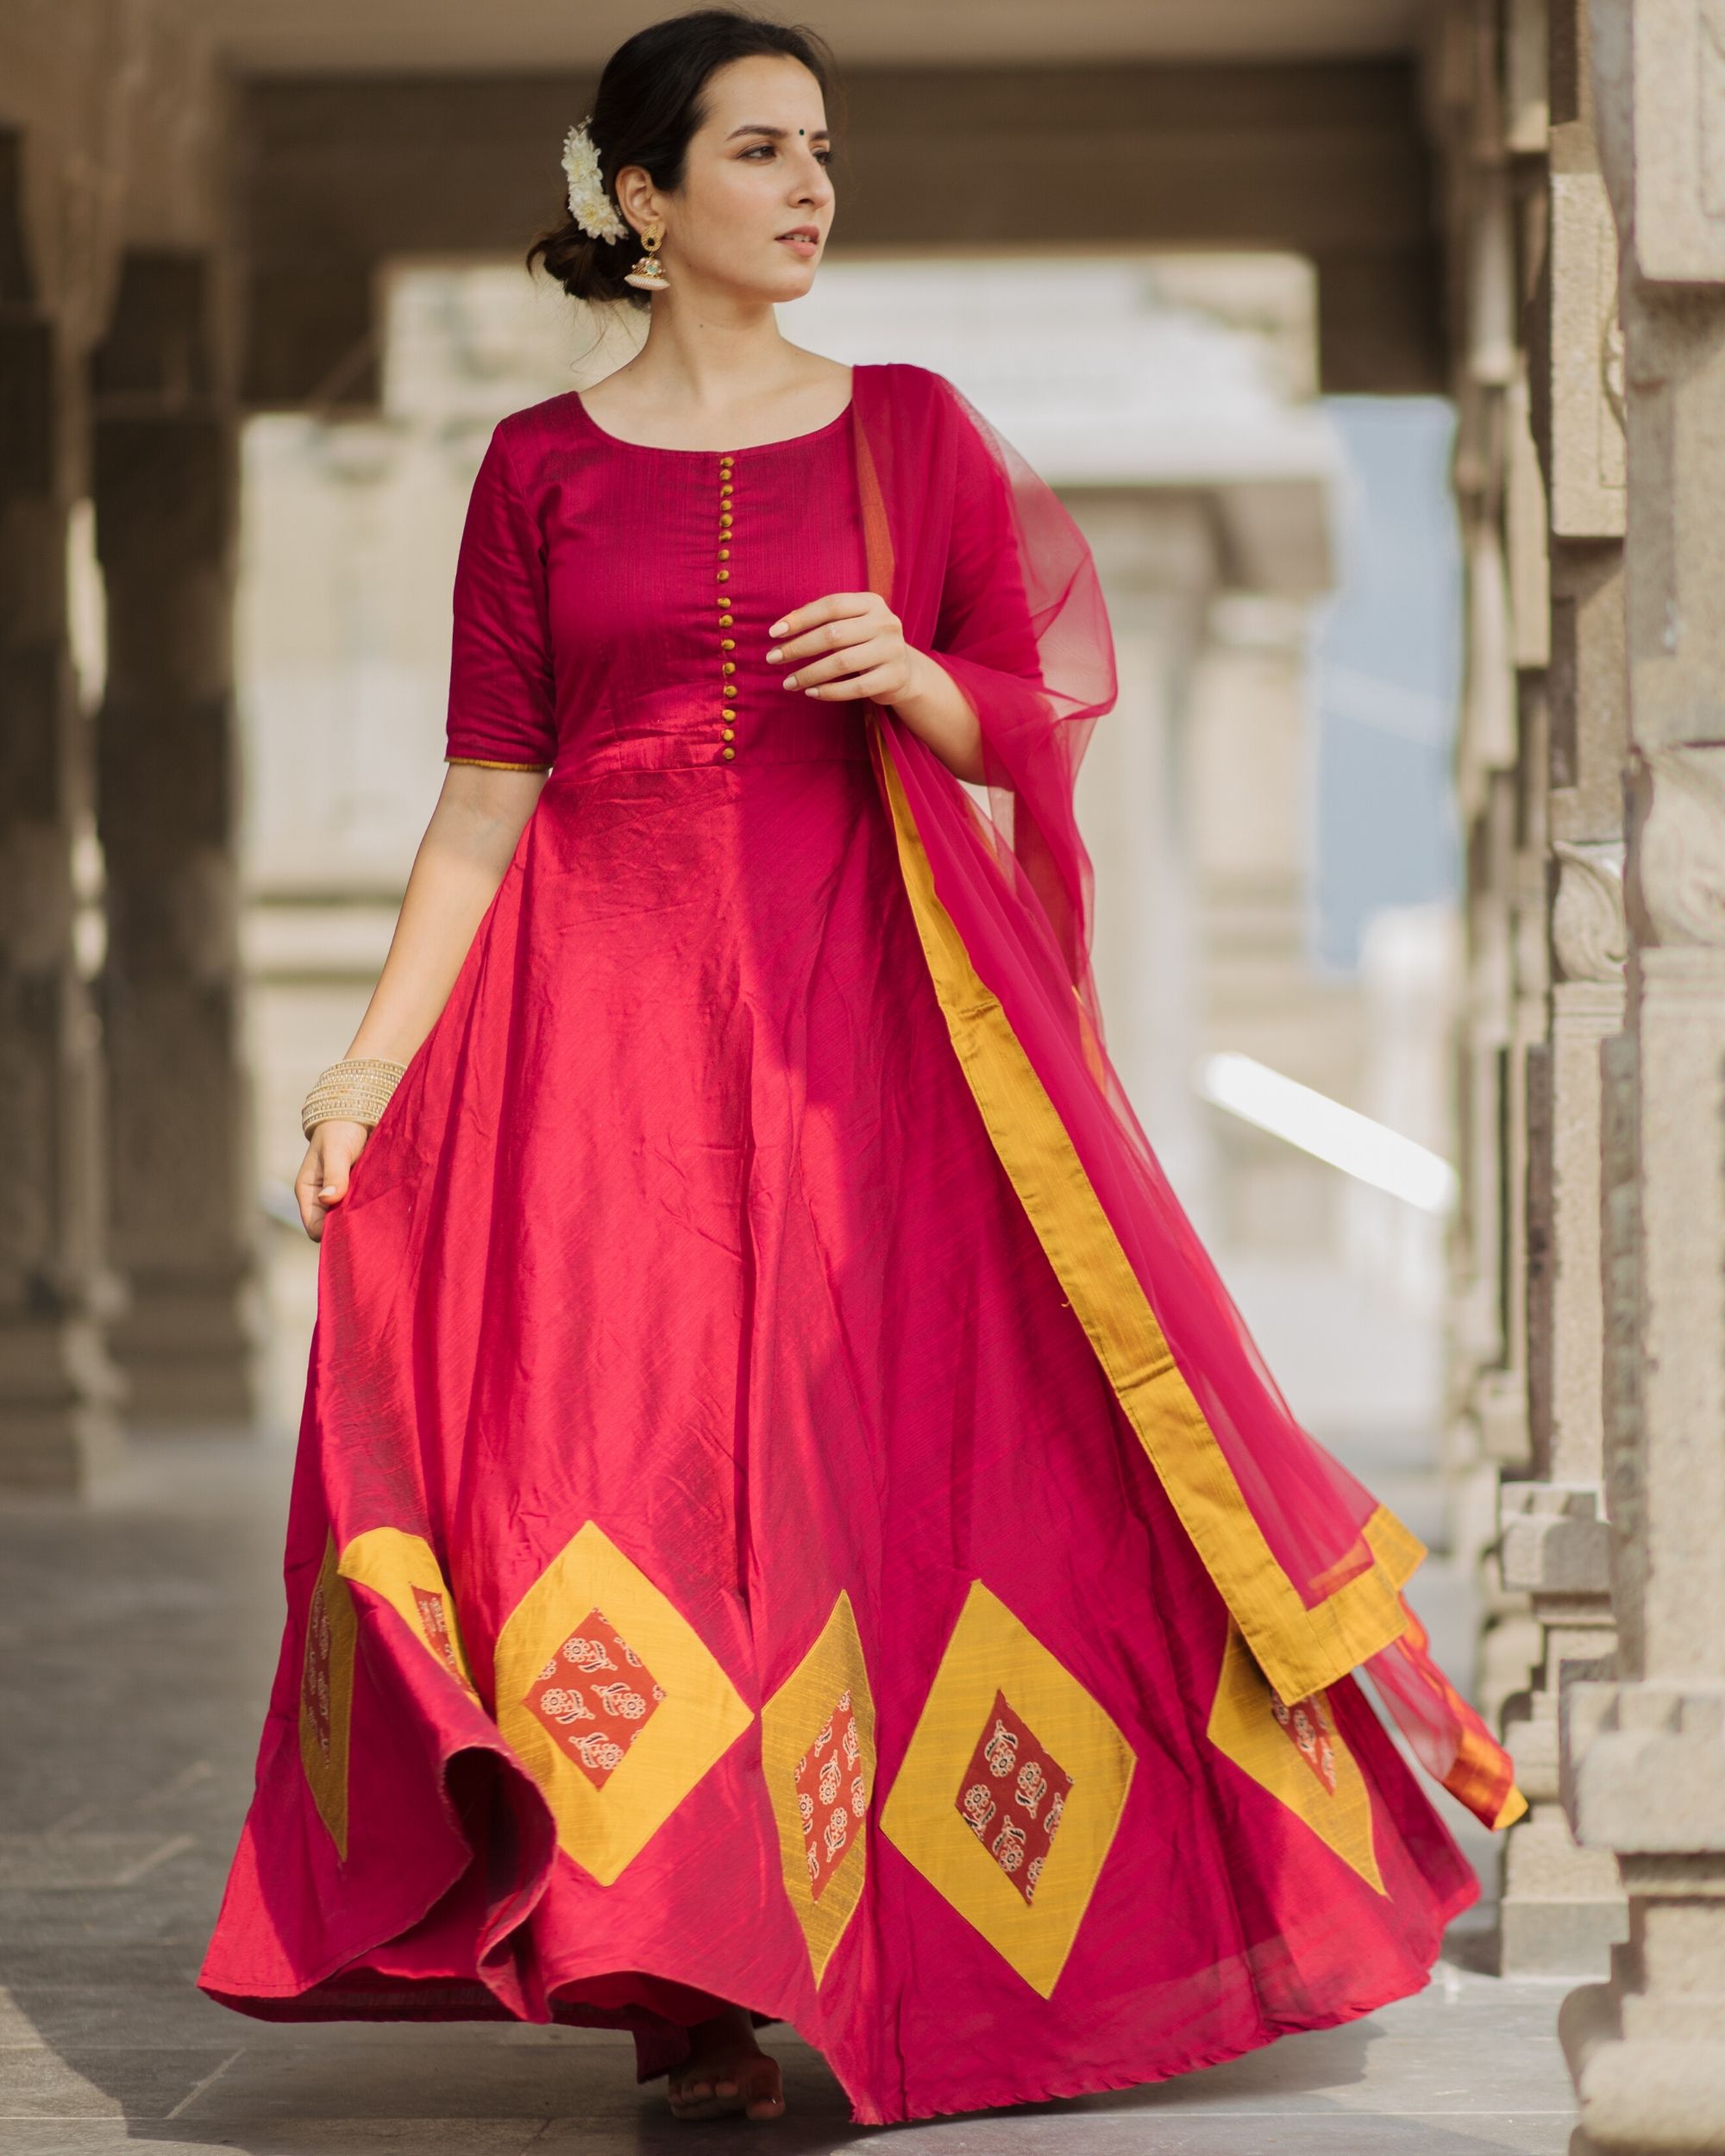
461, 861
934, 706
501, 740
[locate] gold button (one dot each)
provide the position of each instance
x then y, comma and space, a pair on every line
722, 573
727, 643
727, 665
723, 519
729, 689
731, 733
727, 752
725, 490
724, 619
725, 554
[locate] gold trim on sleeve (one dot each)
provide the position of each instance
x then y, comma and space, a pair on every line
486, 763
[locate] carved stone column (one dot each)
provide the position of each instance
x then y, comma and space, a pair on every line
1644, 1750
57, 1387
1562, 1906
183, 1213
1485, 128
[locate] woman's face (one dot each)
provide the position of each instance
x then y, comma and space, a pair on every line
757, 171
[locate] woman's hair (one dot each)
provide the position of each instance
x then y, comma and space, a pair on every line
648, 104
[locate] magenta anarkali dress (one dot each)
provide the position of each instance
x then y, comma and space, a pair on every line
720, 1566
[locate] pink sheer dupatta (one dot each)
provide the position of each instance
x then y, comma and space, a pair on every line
988, 573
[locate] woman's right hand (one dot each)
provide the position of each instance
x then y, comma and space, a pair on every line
322, 1181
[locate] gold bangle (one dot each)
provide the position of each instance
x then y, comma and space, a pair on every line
355, 1090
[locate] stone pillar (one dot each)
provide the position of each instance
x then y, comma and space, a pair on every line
1643, 1749
57, 1387
1562, 1906
183, 1218
1501, 814
1160, 566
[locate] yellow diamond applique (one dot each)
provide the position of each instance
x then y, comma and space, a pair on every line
326, 1696
615, 1706
818, 1752
997, 1688
403, 1570
1296, 1753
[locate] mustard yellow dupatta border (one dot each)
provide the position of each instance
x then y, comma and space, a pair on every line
1300, 1649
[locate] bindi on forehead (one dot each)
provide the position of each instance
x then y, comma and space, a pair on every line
759, 127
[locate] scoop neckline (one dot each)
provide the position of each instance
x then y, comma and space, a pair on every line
664, 449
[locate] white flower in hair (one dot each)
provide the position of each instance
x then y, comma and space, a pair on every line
589, 204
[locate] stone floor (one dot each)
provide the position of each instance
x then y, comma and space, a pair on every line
137, 1633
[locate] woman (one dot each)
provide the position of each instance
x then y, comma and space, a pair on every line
788, 1525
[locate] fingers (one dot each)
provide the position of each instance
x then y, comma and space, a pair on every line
305, 1184
322, 1181
826, 623
875, 650
886, 680
827, 608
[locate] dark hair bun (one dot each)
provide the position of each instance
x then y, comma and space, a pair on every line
587, 268
648, 106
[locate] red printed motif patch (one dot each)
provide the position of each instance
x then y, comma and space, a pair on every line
594, 1697
832, 1795
434, 1622
1013, 1797
319, 1655
1312, 1732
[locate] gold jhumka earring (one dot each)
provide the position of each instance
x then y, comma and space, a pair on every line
648, 273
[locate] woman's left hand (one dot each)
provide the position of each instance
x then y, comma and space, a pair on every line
852, 644
848, 644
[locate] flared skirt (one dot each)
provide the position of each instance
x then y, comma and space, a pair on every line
718, 1566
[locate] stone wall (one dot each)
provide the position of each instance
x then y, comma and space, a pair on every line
123, 1286
1583, 148
1540, 485
1643, 1749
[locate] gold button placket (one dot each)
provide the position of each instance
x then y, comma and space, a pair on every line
727, 666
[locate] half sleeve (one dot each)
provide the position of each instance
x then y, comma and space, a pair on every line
502, 709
